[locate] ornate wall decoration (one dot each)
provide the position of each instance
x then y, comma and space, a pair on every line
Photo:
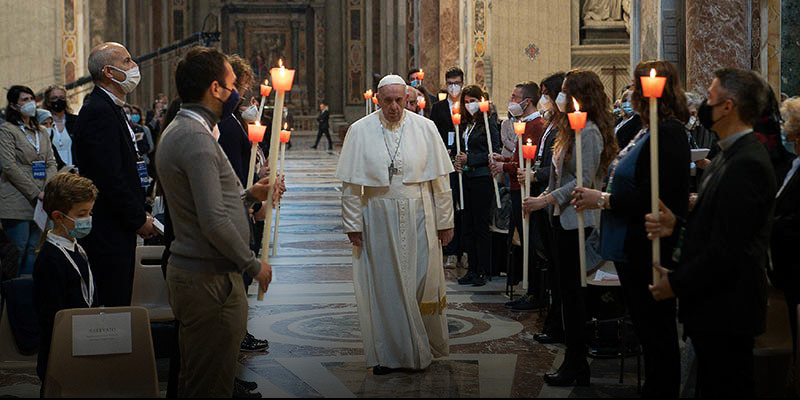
69, 39
532, 51
479, 42
354, 32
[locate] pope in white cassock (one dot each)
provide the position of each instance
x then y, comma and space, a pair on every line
398, 211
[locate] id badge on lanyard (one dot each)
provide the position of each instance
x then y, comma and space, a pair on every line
141, 168
86, 291
39, 170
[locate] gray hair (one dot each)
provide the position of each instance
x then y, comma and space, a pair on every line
693, 99
99, 57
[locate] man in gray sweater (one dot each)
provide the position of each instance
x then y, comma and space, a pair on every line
208, 207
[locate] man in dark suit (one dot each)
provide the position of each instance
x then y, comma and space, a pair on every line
785, 266
441, 116
322, 119
720, 278
106, 153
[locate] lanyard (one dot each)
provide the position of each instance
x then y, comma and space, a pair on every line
36, 145
544, 139
469, 130
195, 116
88, 293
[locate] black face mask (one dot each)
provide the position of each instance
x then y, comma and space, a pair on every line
59, 105
704, 115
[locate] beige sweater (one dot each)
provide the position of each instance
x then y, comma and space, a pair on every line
18, 189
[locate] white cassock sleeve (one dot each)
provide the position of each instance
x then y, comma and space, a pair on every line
443, 202
352, 208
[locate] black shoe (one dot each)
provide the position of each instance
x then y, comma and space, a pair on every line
545, 338
467, 279
241, 392
251, 344
526, 303
479, 280
570, 372
246, 384
378, 370
511, 304
314, 147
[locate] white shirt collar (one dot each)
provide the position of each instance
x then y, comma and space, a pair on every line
115, 99
61, 241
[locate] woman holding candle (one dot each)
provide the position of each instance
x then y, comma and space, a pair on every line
625, 203
473, 162
597, 150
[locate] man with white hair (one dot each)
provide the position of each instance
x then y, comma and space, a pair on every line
105, 152
397, 209
412, 98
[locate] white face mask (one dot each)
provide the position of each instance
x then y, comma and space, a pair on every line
561, 102
514, 109
28, 109
132, 78
250, 114
691, 123
454, 90
544, 100
473, 107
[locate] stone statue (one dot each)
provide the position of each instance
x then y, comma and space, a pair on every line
606, 12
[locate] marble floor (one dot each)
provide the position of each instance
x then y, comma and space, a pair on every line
309, 316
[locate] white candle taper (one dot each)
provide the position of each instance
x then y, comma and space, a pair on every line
484, 107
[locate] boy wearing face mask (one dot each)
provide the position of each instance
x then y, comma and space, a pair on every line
62, 274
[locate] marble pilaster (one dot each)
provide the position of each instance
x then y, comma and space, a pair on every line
449, 30
716, 37
650, 25
428, 51
790, 48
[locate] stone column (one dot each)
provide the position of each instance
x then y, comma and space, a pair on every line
449, 31
716, 37
429, 48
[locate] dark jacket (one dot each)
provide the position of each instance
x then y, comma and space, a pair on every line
673, 180
626, 132
542, 174
534, 130
236, 145
322, 118
441, 117
104, 153
478, 150
785, 236
720, 280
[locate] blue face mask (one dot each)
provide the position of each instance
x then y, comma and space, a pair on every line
82, 227
415, 83
617, 110
789, 146
626, 107
135, 118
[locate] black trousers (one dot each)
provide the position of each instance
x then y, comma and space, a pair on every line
478, 197
553, 323
573, 305
327, 135
455, 247
655, 326
725, 366
113, 275
792, 300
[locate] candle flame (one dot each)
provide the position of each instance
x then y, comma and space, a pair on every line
285, 125
529, 142
280, 63
482, 99
577, 106
257, 124
266, 82
652, 72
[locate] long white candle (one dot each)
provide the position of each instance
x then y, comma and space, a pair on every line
273, 172
489, 143
460, 182
251, 169
654, 181
526, 223
278, 213
581, 233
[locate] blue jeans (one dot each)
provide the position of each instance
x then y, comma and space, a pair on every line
25, 235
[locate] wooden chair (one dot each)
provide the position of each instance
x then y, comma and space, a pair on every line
149, 287
112, 375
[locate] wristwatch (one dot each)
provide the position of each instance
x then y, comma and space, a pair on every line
602, 201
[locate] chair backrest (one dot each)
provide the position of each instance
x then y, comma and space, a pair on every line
149, 287
10, 356
112, 375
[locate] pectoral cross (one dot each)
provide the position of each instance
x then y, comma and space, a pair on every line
392, 170
613, 70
